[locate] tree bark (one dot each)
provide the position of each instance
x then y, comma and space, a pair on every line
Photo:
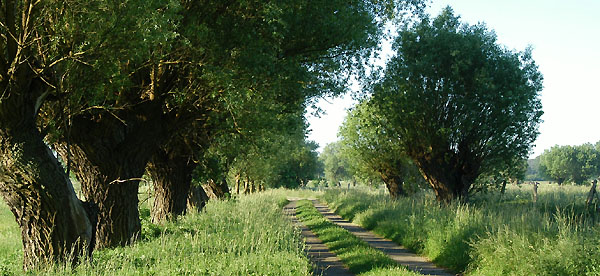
109, 154
237, 183
252, 187
114, 189
197, 198
171, 173
394, 184
53, 221
246, 185
216, 189
449, 180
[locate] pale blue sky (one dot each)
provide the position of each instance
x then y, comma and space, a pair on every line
565, 36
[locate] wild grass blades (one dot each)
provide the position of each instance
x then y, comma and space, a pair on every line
246, 236
360, 258
494, 235
11, 248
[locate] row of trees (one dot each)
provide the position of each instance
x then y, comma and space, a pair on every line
570, 163
452, 103
118, 88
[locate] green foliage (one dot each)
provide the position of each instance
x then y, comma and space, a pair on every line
335, 166
268, 60
249, 236
571, 163
458, 102
533, 172
360, 258
495, 235
372, 153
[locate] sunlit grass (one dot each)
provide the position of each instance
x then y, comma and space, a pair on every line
246, 236
356, 254
494, 235
11, 248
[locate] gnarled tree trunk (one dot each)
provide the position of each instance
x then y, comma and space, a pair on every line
113, 187
449, 180
109, 153
394, 184
54, 223
171, 173
216, 189
197, 198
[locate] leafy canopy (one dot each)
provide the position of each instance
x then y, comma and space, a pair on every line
571, 163
460, 103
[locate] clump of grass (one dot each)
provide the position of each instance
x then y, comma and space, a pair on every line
11, 248
356, 254
247, 236
494, 235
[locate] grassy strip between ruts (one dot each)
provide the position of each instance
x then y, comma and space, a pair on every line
356, 254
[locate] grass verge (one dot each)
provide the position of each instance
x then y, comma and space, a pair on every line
360, 258
509, 235
246, 236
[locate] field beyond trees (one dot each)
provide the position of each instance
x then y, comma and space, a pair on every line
494, 235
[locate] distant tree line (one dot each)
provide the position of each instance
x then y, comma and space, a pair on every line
574, 164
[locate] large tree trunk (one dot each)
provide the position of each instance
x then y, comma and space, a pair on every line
393, 184
171, 173
114, 189
216, 189
449, 180
197, 198
109, 153
54, 224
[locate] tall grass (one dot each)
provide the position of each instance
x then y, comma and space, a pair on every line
494, 235
246, 236
11, 249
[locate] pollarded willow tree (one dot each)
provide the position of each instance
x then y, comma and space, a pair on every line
367, 144
217, 54
40, 42
285, 53
459, 102
112, 118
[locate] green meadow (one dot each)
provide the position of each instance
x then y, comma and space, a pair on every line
244, 236
494, 235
